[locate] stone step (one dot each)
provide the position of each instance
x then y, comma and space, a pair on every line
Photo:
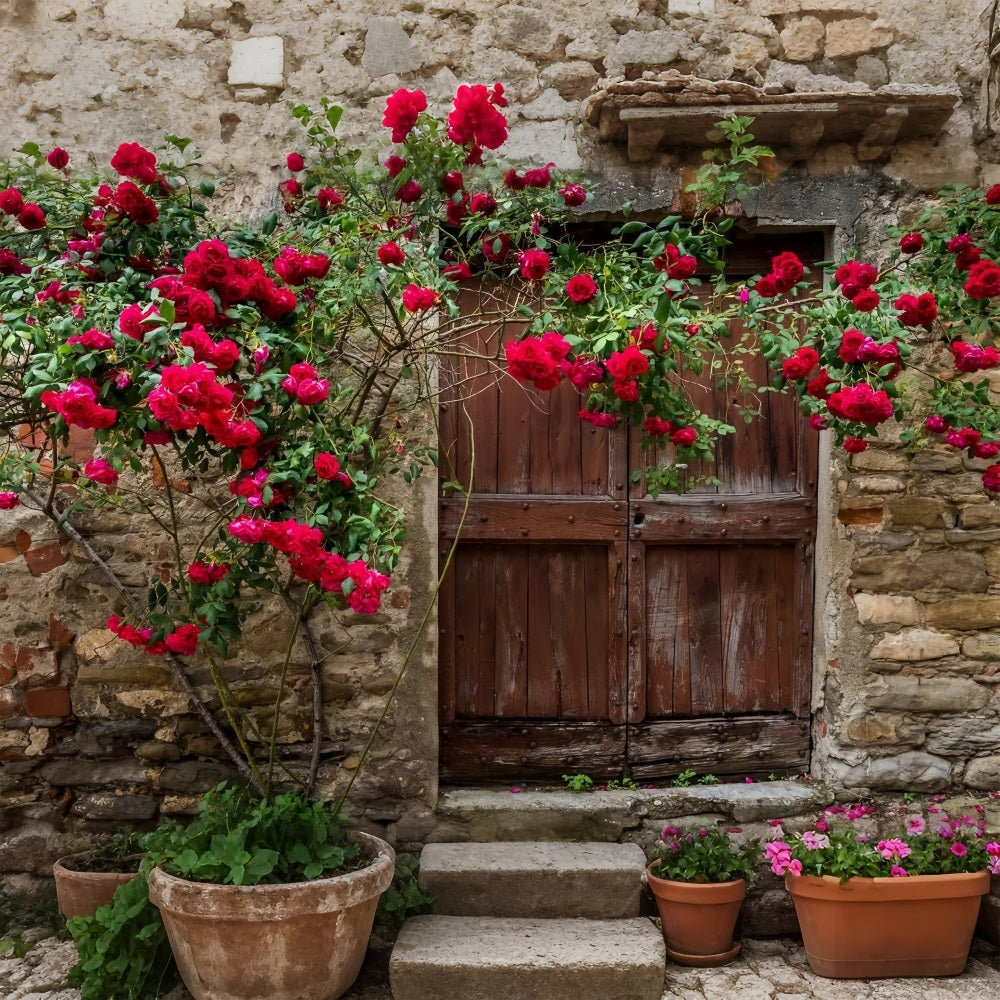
597, 881
488, 958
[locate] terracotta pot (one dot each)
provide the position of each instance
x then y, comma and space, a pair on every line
300, 941
868, 928
698, 919
80, 893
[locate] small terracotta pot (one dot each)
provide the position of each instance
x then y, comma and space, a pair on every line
80, 893
300, 941
698, 918
868, 928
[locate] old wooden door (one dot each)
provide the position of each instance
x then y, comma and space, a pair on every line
585, 627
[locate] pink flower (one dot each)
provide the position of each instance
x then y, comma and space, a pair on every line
893, 849
959, 849
418, 299
897, 872
794, 867
815, 841
915, 825
9, 500
100, 471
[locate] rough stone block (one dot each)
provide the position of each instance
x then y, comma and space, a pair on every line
75, 773
802, 39
258, 61
984, 646
926, 694
388, 49
983, 772
140, 19
966, 613
913, 771
855, 36
699, 8
483, 958
921, 512
122, 808
194, 776
962, 735
888, 608
599, 881
914, 644
883, 729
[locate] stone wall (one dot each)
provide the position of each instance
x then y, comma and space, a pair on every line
908, 592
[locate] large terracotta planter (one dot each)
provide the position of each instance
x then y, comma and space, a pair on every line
698, 919
301, 941
80, 893
868, 928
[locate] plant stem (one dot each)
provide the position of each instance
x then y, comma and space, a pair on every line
176, 665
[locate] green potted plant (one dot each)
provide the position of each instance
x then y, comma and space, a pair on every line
699, 879
872, 905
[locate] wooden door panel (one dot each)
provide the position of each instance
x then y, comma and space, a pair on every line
588, 627
532, 636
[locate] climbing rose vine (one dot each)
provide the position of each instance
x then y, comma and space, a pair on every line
252, 389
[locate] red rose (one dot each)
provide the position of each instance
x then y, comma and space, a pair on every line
452, 182
409, 192
627, 364
991, 479
534, 264
993, 195
457, 272
861, 403
31, 216
800, 364
391, 254
983, 281
962, 437
766, 286
513, 181
598, 419
496, 247
855, 445
911, 243
921, 310
394, 165
573, 194
328, 198
539, 177
787, 270
482, 203
11, 201
183, 640
581, 288
475, 122
817, 385
294, 162
57, 158
132, 160
683, 267
401, 111
989, 449
537, 361
206, 573
866, 300
657, 426
9, 500
684, 437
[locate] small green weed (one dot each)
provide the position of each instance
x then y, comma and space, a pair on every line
579, 782
685, 779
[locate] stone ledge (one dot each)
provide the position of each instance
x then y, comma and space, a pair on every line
674, 111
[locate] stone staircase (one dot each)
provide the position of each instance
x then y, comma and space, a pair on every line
530, 921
